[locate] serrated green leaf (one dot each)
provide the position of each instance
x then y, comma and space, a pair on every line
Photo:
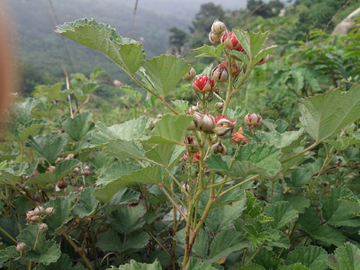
264, 156
296, 266
29, 236
65, 167
209, 51
10, 176
100, 160
124, 196
134, 265
262, 54
345, 257
234, 114
250, 41
297, 201
23, 110
170, 129
42, 179
223, 218
325, 114
127, 219
310, 223
267, 259
52, 92
147, 175
62, 212
280, 140
337, 213
181, 105
116, 171
32, 128
10, 253
125, 52
311, 257
131, 130
282, 212
79, 126
7, 224
49, 146
239, 168
63, 263
49, 253
195, 264
124, 149
113, 241
165, 72
225, 243
342, 142
87, 203
131, 93
240, 55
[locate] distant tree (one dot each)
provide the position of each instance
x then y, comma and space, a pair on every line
177, 37
203, 20
268, 10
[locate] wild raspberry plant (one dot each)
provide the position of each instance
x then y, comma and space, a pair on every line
202, 185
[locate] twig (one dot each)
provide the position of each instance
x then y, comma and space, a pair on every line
348, 2
133, 23
251, 13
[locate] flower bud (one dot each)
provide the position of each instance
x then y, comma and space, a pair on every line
189, 75
186, 186
193, 109
50, 169
50, 211
43, 227
208, 122
218, 148
196, 123
224, 126
70, 156
196, 156
62, 184
218, 27
252, 120
230, 41
21, 247
32, 219
220, 73
238, 137
202, 84
158, 117
200, 105
192, 142
263, 61
219, 106
38, 211
214, 38
234, 69
59, 160
86, 171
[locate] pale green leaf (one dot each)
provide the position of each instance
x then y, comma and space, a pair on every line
311, 256
79, 126
282, 212
134, 265
116, 171
125, 52
250, 41
262, 54
127, 219
147, 175
31, 128
65, 167
124, 196
87, 203
345, 257
170, 129
50, 146
325, 114
336, 212
124, 149
209, 51
165, 72
48, 253
22, 111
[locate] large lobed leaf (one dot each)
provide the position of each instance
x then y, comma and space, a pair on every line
165, 72
325, 114
125, 52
